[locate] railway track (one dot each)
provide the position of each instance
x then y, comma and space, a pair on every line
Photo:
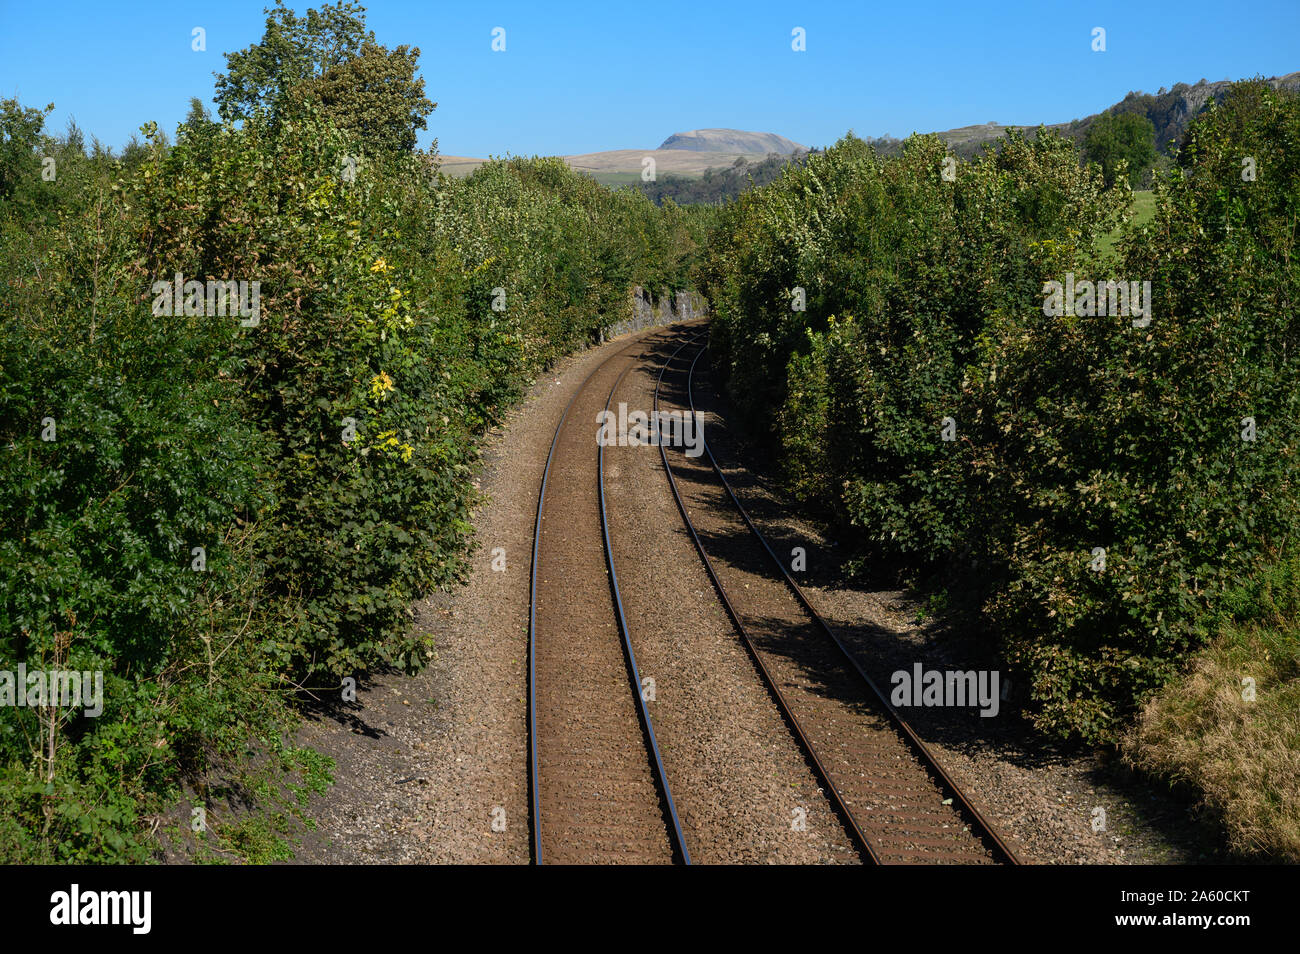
599, 794
898, 803
598, 789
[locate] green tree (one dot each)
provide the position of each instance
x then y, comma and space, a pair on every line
1121, 137
292, 49
198, 115
375, 96
20, 138
329, 59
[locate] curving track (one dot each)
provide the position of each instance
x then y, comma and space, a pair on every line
898, 802
599, 794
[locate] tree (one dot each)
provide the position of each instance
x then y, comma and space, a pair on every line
292, 49
1116, 137
375, 96
198, 121
21, 138
328, 59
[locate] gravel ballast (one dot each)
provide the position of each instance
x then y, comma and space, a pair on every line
434, 768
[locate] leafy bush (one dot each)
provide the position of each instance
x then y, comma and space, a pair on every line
925, 301
124, 449
900, 269
1131, 439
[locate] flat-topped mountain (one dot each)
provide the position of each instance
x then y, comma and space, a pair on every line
735, 141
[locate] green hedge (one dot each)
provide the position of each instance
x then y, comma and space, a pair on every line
925, 301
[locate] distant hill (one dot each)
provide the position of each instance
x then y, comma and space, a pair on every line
719, 185
1170, 111
616, 167
738, 157
734, 141
685, 154
623, 166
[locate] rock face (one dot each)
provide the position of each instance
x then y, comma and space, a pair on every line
645, 312
1171, 113
731, 140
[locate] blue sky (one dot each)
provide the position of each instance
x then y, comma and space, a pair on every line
613, 75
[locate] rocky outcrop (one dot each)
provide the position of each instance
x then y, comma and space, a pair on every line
1172, 112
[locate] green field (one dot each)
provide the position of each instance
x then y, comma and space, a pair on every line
1140, 212
1144, 207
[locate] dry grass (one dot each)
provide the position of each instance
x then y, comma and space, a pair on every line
1244, 756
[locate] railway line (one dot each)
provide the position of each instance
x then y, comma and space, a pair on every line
599, 789
899, 803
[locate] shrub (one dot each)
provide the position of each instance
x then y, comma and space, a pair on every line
925, 301
321, 455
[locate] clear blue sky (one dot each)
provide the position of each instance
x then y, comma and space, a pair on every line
613, 75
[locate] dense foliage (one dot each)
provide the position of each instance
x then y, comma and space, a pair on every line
317, 448
720, 185
1073, 434
1115, 138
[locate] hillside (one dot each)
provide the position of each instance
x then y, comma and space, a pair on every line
1170, 112
719, 185
686, 156
623, 166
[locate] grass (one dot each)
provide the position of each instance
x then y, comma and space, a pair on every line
1144, 207
1240, 749
1140, 212
258, 821
615, 180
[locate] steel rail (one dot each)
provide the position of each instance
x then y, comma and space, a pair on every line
837, 800
985, 829
535, 800
535, 797
661, 776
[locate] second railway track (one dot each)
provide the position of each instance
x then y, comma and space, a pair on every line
898, 802
599, 791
